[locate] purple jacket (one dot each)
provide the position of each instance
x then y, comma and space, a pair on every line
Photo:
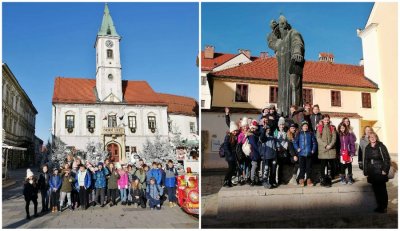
347, 142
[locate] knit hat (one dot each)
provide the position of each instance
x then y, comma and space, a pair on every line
118, 165
254, 124
244, 122
271, 106
233, 126
29, 173
266, 107
304, 123
281, 121
100, 163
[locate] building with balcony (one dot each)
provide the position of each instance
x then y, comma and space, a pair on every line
120, 114
19, 117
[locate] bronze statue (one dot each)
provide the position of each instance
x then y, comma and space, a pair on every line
288, 45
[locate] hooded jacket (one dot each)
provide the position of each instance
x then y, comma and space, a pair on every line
306, 142
87, 182
267, 146
170, 177
377, 159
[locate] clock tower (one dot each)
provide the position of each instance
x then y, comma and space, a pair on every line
108, 63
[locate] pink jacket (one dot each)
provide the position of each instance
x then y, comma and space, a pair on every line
123, 180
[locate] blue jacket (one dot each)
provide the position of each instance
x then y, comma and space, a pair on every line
307, 143
170, 177
154, 191
100, 178
229, 149
156, 173
267, 146
253, 141
88, 180
55, 182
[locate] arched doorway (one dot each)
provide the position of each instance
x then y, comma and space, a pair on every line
113, 149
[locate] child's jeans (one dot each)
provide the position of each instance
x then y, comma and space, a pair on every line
153, 203
171, 194
122, 193
62, 198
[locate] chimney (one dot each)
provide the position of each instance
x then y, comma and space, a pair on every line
361, 62
209, 52
263, 55
326, 57
245, 52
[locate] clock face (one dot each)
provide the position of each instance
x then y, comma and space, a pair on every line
109, 43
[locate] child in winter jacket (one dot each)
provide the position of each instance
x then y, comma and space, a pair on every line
123, 183
153, 194
55, 185
66, 188
99, 176
306, 145
170, 182
154, 172
253, 137
268, 146
113, 184
83, 181
283, 154
30, 192
137, 193
347, 151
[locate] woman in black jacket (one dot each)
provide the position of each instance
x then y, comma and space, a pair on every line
30, 192
230, 144
376, 168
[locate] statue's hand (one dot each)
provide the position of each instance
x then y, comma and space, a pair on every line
297, 58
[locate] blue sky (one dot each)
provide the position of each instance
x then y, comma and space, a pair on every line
44, 40
326, 27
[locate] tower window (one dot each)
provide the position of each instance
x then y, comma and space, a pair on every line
152, 123
109, 53
110, 77
112, 121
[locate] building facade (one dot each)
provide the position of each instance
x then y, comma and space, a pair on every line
119, 114
340, 90
19, 117
380, 48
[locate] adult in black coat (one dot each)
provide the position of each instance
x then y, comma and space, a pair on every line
30, 192
376, 168
230, 143
44, 186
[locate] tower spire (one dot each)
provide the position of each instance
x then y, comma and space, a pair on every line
107, 25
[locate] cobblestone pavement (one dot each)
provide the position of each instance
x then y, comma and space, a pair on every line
13, 215
212, 181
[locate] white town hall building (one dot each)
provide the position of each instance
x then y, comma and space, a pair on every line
119, 114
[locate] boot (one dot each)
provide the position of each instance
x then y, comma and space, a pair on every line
343, 179
252, 183
227, 183
350, 180
301, 182
28, 217
267, 185
129, 203
309, 183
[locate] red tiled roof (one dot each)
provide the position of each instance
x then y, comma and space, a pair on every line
180, 104
314, 72
219, 58
74, 90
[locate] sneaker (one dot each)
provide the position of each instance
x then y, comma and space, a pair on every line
171, 205
252, 183
227, 184
350, 180
343, 180
174, 204
310, 183
151, 208
267, 185
136, 206
301, 182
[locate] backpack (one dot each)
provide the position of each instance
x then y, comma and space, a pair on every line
221, 151
319, 128
246, 147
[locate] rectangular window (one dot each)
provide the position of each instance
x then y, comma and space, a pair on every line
127, 149
273, 94
109, 53
203, 80
132, 121
90, 121
307, 96
192, 127
241, 93
152, 122
366, 100
203, 103
133, 149
69, 121
336, 99
112, 121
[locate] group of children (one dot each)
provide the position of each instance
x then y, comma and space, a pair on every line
83, 185
274, 143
